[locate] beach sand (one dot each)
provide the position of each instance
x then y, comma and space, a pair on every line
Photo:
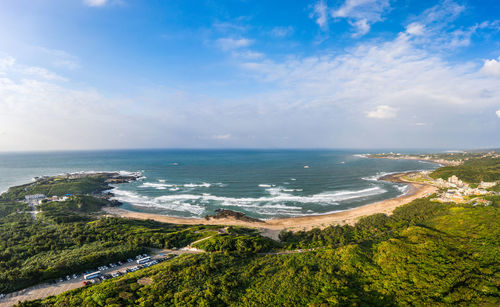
271, 228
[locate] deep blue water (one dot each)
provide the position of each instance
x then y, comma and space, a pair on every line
260, 183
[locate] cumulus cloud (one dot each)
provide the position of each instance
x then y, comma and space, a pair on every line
491, 67
382, 112
95, 3
229, 43
498, 113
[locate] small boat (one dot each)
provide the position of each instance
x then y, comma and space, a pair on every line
306, 166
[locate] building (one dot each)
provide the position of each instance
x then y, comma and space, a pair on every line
35, 197
487, 185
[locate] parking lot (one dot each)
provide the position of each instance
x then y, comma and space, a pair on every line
48, 289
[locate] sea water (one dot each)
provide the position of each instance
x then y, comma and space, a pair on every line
260, 183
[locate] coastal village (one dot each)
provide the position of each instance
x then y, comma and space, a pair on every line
455, 190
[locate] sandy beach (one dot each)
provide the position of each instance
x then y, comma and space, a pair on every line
272, 227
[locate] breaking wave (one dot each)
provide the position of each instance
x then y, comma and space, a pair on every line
175, 187
280, 201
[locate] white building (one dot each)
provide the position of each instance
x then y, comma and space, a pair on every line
35, 197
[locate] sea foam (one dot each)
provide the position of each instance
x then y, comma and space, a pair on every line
280, 201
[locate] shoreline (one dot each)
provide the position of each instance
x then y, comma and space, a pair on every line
272, 227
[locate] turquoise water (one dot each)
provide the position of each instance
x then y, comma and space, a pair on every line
193, 183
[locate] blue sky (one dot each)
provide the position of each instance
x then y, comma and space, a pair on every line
92, 74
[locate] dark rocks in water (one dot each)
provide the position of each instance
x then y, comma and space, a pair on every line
224, 213
121, 179
115, 203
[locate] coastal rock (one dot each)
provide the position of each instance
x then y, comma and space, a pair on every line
224, 213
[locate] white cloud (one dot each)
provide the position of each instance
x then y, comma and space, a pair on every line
6, 63
8, 66
282, 31
221, 136
362, 27
498, 113
491, 67
229, 27
60, 58
95, 3
42, 73
382, 112
436, 28
444, 12
229, 43
248, 54
361, 14
415, 29
39, 113
396, 75
320, 13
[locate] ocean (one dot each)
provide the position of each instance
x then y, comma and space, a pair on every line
193, 183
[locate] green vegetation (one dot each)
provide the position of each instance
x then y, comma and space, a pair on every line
76, 208
375, 227
240, 244
70, 236
472, 171
58, 186
427, 254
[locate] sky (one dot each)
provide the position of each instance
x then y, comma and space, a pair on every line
115, 74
